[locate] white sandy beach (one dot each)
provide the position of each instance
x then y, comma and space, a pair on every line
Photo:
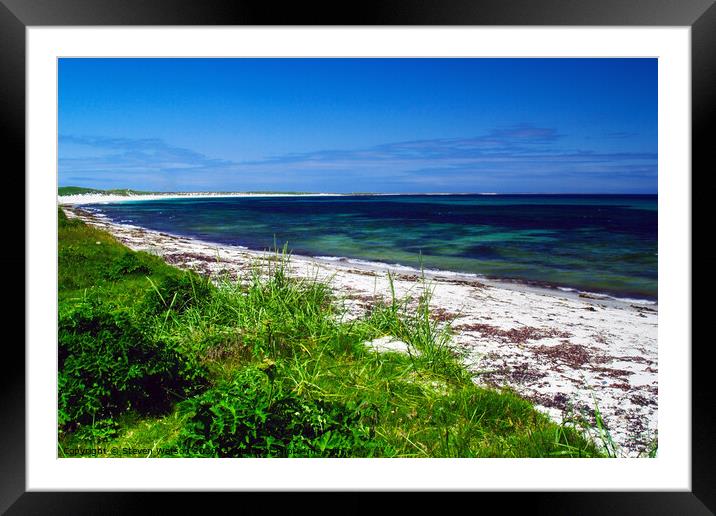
102, 198
560, 350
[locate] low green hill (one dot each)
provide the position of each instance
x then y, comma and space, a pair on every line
79, 190
75, 190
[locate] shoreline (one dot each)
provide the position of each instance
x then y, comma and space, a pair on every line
555, 348
69, 200
601, 297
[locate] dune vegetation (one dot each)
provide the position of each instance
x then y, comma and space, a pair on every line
80, 190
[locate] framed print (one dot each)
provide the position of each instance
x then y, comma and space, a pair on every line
418, 248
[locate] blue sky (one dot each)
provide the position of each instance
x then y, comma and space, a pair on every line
359, 125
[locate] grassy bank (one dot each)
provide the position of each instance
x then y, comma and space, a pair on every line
155, 361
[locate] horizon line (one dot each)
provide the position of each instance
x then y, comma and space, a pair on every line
101, 190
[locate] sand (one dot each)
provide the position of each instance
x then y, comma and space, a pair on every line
567, 354
102, 198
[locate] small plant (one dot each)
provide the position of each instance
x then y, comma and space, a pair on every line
177, 293
598, 428
414, 325
251, 416
98, 431
604, 436
127, 263
652, 450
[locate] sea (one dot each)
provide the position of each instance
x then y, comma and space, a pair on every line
603, 244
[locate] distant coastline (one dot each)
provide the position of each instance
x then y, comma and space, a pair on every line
102, 198
73, 195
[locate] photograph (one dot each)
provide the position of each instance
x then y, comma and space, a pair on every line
357, 257
429, 248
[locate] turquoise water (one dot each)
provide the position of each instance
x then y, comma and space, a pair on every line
596, 243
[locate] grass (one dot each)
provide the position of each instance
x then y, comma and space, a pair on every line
156, 361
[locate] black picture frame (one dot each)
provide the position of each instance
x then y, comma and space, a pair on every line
700, 15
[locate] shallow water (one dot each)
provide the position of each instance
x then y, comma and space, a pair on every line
596, 243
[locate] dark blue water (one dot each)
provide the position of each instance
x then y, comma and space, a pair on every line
597, 243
